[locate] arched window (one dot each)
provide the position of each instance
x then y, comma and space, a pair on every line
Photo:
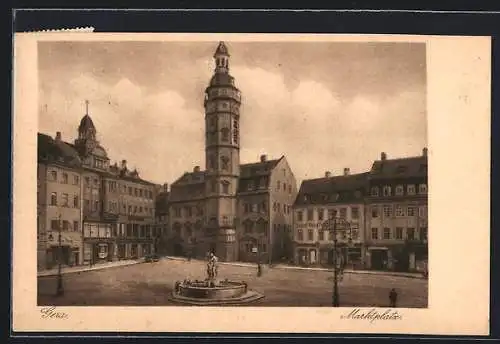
225, 134
225, 187
225, 162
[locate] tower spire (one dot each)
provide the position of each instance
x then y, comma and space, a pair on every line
86, 107
221, 57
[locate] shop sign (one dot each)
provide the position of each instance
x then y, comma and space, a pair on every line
103, 251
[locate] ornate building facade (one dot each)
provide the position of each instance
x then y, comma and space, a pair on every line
323, 198
228, 207
105, 212
387, 210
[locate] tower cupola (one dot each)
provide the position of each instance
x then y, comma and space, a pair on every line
221, 57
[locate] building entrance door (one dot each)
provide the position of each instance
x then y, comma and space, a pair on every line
379, 259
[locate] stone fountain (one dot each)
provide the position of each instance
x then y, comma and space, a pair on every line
212, 291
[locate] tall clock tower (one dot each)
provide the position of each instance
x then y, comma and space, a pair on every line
222, 158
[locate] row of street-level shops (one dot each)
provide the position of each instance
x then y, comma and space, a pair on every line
116, 240
401, 257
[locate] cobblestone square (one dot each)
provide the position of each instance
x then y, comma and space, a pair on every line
149, 284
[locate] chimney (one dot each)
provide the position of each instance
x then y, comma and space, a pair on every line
196, 169
58, 136
424, 151
383, 156
328, 174
165, 187
124, 164
263, 158
347, 171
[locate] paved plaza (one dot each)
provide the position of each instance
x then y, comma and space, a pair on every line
149, 284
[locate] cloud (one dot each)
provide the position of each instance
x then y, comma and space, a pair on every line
159, 129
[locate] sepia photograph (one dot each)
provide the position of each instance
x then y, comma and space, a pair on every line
207, 173
264, 181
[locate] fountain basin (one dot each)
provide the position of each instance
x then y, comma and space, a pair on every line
203, 291
213, 293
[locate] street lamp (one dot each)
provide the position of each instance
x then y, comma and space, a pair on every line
335, 225
60, 288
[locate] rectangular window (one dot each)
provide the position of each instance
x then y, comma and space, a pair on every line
399, 233
76, 201
321, 213
387, 210
422, 211
53, 176
354, 213
96, 182
76, 226
289, 189
136, 192
87, 181
410, 189
374, 233
54, 225
321, 235
278, 185
387, 233
343, 213
374, 211
310, 235
53, 198
130, 190
332, 213
400, 211
374, 191
65, 178
310, 215
300, 216
423, 233
65, 225
300, 235
410, 233
65, 200
411, 211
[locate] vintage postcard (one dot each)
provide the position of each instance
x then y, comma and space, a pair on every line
251, 183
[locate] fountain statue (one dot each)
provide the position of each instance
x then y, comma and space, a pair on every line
212, 291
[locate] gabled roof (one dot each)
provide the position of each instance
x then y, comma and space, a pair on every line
191, 185
338, 189
256, 175
399, 168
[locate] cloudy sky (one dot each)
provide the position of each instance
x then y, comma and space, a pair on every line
324, 105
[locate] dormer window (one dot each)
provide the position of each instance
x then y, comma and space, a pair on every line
422, 189
410, 189
374, 191
400, 169
387, 190
399, 190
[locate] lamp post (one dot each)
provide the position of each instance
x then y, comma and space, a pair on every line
335, 225
60, 288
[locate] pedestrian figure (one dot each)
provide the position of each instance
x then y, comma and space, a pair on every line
259, 270
393, 297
